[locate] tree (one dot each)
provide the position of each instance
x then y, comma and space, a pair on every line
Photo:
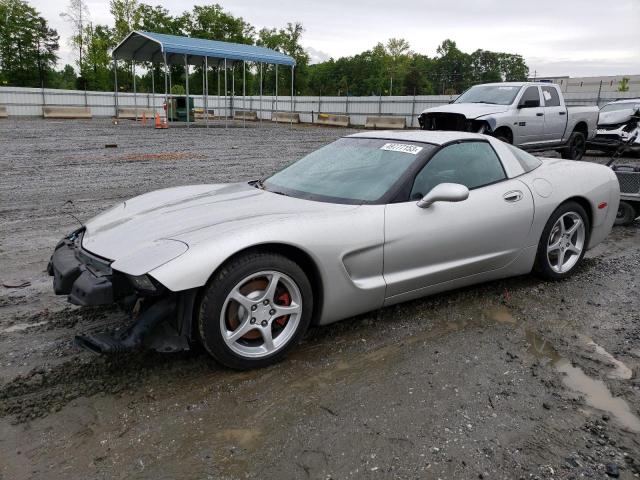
623, 85
77, 14
213, 23
399, 54
47, 44
125, 17
453, 68
513, 68
97, 61
27, 45
485, 67
156, 19
64, 79
287, 41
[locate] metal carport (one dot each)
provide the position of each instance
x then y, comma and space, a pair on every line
173, 50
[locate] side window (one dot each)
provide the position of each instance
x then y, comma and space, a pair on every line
551, 97
530, 94
473, 164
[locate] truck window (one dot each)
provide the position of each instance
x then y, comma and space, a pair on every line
551, 97
531, 93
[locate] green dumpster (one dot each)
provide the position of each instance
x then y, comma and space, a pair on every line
177, 109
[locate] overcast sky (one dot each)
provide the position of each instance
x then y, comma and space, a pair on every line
556, 37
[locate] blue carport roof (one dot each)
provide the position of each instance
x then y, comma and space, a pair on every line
151, 47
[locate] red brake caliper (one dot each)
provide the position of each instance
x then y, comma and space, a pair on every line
284, 299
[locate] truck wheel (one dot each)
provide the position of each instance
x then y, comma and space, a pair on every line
504, 135
576, 148
626, 214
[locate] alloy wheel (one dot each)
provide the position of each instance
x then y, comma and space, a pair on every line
260, 314
566, 242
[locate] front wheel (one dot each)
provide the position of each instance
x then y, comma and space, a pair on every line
576, 148
626, 214
254, 310
563, 243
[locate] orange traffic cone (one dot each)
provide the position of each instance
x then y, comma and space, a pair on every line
161, 123
144, 119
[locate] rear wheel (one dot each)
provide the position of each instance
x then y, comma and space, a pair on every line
626, 214
564, 242
254, 310
576, 148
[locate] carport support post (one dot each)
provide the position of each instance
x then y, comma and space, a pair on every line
233, 90
115, 83
218, 70
261, 93
135, 94
291, 118
276, 109
413, 106
153, 87
225, 93
244, 91
206, 91
186, 86
166, 87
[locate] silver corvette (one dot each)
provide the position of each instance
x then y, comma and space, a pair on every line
367, 221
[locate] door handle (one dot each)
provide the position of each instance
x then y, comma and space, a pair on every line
539, 114
512, 196
562, 113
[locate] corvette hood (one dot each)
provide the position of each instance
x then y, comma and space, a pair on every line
157, 225
469, 110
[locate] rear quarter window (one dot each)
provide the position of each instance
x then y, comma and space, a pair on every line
551, 97
528, 161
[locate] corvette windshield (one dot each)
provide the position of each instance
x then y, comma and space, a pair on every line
493, 94
349, 169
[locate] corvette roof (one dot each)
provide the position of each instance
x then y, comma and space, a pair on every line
437, 137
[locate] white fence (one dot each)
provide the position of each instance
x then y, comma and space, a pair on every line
29, 102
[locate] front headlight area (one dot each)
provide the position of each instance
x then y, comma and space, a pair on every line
145, 284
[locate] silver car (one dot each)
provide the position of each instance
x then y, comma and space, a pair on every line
617, 124
370, 220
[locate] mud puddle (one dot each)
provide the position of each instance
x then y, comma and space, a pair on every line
595, 391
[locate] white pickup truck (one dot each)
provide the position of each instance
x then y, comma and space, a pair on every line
530, 115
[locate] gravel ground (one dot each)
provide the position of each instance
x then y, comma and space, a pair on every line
511, 379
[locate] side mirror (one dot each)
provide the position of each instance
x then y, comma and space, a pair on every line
529, 104
444, 192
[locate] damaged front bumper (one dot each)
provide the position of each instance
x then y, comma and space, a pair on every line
452, 122
86, 278
610, 137
163, 319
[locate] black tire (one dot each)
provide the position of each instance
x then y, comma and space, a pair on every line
576, 148
504, 135
542, 266
626, 214
215, 294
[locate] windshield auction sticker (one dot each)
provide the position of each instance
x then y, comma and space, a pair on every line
402, 148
